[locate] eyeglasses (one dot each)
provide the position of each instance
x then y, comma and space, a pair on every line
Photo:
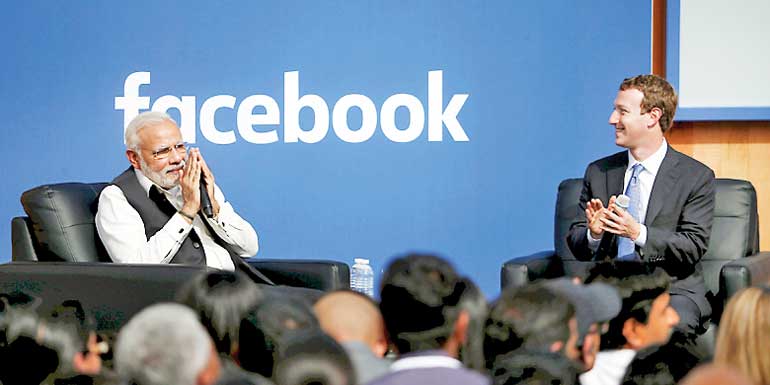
165, 152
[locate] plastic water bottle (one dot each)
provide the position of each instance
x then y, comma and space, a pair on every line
362, 277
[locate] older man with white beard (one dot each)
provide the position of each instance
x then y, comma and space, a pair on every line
151, 212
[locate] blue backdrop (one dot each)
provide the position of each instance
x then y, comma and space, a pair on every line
540, 78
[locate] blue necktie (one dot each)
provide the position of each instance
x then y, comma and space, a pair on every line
626, 245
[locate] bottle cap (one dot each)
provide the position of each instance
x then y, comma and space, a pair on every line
362, 261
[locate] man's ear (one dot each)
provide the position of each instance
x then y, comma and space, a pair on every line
632, 331
655, 115
380, 347
91, 362
206, 378
133, 158
210, 374
460, 332
87, 363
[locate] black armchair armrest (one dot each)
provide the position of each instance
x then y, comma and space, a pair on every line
111, 292
323, 275
522, 270
22, 248
744, 272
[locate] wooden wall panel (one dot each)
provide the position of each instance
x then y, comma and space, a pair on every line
739, 150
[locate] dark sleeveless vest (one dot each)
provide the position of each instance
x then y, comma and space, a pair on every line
191, 251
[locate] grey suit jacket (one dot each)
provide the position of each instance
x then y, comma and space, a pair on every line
431, 375
366, 365
679, 216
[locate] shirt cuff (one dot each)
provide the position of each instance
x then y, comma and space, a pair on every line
178, 228
593, 243
226, 219
641, 240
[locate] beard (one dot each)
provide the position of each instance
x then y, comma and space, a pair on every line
166, 178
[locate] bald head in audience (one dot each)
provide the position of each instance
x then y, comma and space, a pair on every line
349, 316
715, 375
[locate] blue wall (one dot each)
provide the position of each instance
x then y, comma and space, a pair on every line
540, 79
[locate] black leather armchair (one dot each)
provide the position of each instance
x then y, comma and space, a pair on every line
60, 228
733, 260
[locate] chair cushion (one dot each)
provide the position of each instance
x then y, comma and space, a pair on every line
62, 217
322, 275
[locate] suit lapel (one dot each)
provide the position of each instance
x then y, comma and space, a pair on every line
616, 171
665, 183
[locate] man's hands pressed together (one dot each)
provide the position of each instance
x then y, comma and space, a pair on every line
595, 213
615, 220
194, 168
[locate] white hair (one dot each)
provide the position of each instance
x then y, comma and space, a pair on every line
164, 344
141, 121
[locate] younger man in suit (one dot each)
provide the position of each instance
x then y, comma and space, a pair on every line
671, 208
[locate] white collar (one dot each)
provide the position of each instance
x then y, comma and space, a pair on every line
432, 361
609, 368
653, 162
146, 183
618, 354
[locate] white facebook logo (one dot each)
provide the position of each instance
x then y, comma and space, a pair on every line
438, 116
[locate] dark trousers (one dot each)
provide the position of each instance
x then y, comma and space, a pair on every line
690, 322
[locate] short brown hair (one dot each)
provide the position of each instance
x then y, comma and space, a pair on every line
743, 332
657, 93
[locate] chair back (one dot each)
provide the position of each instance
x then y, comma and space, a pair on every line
567, 212
735, 232
62, 220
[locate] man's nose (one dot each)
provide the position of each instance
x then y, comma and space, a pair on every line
614, 118
176, 156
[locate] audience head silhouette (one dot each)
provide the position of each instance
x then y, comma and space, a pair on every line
419, 303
